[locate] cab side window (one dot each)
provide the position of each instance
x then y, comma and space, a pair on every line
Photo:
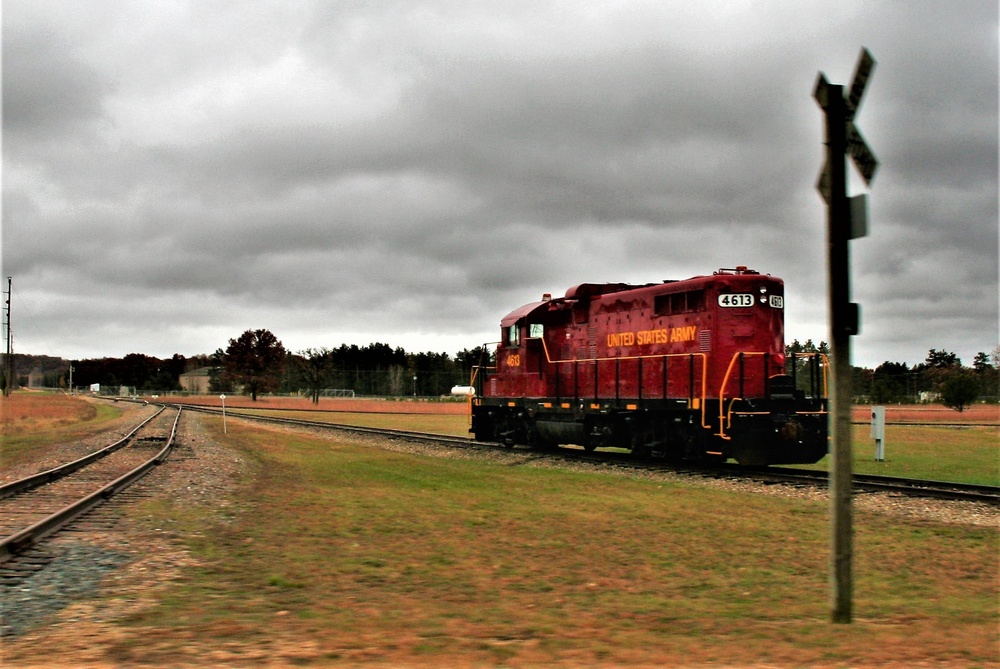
513, 335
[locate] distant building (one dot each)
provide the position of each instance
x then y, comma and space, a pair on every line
35, 378
196, 381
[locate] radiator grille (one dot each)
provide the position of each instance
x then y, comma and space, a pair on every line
705, 341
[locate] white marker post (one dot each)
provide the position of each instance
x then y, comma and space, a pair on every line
223, 398
878, 432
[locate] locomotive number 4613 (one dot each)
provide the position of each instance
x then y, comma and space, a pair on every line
736, 300
746, 300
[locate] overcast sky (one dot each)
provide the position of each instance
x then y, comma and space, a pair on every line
175, 173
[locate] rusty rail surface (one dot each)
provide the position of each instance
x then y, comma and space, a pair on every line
29, 536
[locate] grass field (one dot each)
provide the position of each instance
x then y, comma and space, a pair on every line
951, 452
449, 424
957, 454
364, 555
961, 454
344, 554
30, 420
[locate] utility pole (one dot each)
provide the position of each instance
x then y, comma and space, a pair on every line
8, 366
846, 220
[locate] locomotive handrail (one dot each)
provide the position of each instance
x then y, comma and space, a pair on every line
704, 370
824, 365
726, 415
475, 373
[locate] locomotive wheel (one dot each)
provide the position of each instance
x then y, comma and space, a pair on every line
641, 442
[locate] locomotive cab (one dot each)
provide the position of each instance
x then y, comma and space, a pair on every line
521, 354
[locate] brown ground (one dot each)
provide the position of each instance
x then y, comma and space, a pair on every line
918, 413
931, 413
359, 405
205, 473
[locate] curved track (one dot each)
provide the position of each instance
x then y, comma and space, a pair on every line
36, 506
913, 487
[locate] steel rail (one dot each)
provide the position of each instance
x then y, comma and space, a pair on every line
29, 536
914, 487
360, 429
910, 486
49, 475
229, 410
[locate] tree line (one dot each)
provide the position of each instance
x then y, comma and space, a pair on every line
941, 377
257, 362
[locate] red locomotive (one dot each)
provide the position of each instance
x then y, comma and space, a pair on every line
686, 370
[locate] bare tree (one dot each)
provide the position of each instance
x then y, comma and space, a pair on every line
316, 366
396, 379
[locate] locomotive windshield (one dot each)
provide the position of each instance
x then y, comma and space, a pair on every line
513, 335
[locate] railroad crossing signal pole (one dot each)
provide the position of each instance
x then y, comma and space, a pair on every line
8, 361
846, 220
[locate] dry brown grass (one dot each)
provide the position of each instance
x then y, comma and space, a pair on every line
338, 404
355, 556
342, 554
918, 413
31, 422
931, 413
24, 411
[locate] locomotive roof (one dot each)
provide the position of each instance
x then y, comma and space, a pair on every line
520, 313
586, 291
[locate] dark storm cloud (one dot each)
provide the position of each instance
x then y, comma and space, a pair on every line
47, 89
409, 172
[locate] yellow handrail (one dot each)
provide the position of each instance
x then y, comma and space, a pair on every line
723, 413
825, 366
726, 415
704, 365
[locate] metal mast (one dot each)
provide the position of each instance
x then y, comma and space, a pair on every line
8, 366
846, 220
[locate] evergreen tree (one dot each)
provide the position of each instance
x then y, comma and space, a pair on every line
959, 390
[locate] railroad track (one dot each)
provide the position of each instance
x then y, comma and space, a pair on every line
889, 484
37, 506
868, 483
